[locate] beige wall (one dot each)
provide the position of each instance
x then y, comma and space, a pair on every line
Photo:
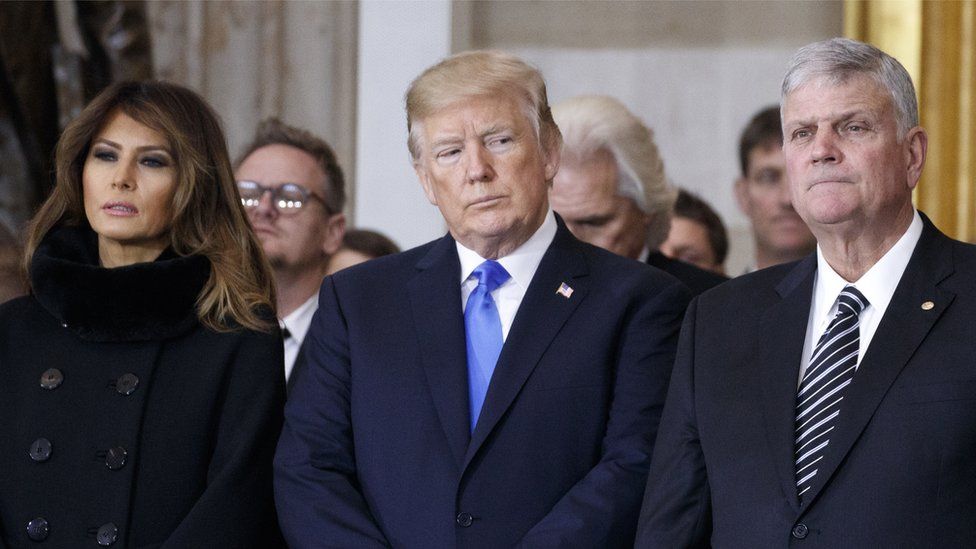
694, 70
294, 60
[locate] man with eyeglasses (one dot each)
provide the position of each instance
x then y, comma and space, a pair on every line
293, 190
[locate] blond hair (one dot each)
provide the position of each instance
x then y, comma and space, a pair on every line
481, 73
208, 218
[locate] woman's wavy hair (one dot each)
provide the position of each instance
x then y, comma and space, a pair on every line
208, 217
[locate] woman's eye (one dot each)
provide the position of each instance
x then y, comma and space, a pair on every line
154, 162
107, 156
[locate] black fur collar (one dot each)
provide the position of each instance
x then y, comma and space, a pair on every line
142, 302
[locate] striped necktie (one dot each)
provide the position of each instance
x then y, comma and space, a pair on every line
830, 372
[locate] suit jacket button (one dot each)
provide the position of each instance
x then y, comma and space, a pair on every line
107, 534
51, 379
40, 450
126, 384
464, 520
115, 458
38, 529
800, 531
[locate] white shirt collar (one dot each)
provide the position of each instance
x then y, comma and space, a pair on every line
300, 319
522, 262
645, 253
878, 285
879, 282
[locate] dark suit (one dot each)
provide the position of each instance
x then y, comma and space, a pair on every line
376, 448
901, 465
697, 280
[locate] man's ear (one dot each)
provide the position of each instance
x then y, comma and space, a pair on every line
421, 171
553, 156
915, 150
335, 230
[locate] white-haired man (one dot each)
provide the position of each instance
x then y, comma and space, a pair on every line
497, 387
829, 402
611, 189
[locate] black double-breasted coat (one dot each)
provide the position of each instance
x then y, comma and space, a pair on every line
123, 420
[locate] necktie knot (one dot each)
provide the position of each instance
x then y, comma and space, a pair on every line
851, 301
491, 274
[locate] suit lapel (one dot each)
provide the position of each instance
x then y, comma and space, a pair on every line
783, 330
541, 316
902, 329
435, 299
297, 368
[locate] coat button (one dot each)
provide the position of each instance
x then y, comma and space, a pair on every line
800, 531
126, 384
40, 450
464, 520
107, 534
115, 458
51, 379
38, 529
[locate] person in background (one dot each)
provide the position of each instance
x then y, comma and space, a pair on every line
830, 402
359, 246
293, 190
141, 391
697, 234
497, 387
611, 188
763, 194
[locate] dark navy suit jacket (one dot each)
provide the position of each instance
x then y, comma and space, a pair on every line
376, 449
697, 280
900, 470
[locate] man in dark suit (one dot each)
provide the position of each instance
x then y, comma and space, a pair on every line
831, 402
498, 387
611, 188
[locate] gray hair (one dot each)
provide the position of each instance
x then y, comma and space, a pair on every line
590, 123
838, 59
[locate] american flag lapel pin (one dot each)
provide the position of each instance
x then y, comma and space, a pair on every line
564, 290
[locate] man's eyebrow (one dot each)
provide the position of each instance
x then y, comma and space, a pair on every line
445, 140
845, 115
495, 129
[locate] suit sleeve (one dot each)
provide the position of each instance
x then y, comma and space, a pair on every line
677, 506
316, 488
237, 507
601, 509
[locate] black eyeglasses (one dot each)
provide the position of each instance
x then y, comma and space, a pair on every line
288, 198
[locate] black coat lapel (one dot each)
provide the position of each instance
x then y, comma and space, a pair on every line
297, 368
541, 316
435, 299
903, 328
783, 330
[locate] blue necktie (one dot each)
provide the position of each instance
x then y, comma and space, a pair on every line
483, 333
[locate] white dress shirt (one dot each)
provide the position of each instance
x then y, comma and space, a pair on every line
297, 324
877, 285
521, 264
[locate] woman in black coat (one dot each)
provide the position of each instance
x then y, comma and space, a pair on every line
141, 384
